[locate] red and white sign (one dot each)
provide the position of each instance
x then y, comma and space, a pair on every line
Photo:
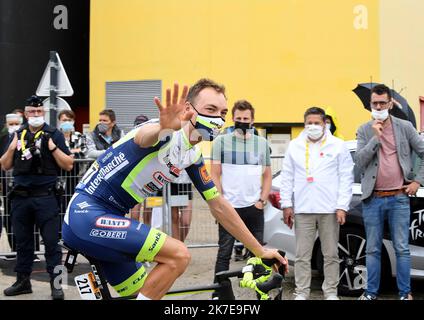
112, 223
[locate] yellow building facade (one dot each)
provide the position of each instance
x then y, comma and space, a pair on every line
281, 55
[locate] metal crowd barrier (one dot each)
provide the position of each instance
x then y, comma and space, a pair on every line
175, 214
69, 180
192, 220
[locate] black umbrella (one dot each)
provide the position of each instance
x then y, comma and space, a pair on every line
363, 91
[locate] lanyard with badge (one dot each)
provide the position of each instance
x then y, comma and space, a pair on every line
309, 177
26, 153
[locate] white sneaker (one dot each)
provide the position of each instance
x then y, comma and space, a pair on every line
365, 296
332, 298
8, 258
300, 297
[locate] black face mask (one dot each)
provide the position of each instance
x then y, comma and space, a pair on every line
242, 126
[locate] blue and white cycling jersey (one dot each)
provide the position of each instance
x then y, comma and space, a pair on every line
126, 173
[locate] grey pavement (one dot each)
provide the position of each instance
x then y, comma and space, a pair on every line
199, 272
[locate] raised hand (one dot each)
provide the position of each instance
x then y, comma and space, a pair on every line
172, 115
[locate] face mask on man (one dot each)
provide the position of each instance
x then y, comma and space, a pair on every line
36, 121
381, 115
209, 127
243, 126
314, 131
13, 128
102, 127
67, 126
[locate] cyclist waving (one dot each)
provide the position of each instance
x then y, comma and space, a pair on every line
136, 167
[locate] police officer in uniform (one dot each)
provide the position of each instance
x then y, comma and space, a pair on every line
36, 152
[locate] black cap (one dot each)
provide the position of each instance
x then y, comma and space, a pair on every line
34, 101
140, 119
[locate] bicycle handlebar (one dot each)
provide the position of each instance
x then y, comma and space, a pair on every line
270, 262
257, 277
273, 283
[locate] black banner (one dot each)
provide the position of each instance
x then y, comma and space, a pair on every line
29, 30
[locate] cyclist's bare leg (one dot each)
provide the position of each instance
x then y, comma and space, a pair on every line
173, 258
185, 220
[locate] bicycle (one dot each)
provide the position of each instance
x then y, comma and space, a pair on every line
256, 275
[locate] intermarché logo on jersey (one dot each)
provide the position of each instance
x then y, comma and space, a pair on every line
112, 223
117, 163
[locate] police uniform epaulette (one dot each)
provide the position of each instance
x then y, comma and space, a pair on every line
49, 129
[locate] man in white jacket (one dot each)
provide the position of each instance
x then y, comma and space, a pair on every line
316, 190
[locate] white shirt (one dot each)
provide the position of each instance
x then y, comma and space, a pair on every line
330, 175
243, 162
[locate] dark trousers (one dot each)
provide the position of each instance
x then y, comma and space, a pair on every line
254, 220
7, 222
8, 225
42, 211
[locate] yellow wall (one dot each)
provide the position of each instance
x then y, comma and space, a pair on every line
283, 56
295, 131
402, 48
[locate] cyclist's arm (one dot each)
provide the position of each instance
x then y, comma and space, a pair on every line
231, 221
148, 134
216, 171
221, 208
216, 165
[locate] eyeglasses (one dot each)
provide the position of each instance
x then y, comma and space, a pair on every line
35, 111
381, 103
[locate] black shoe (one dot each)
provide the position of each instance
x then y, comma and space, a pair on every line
238, 253
238, 249
21, 286
238, 257
247, 255
8, 258
57, 293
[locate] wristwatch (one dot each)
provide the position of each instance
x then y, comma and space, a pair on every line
264, 202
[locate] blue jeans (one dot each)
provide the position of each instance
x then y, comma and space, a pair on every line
396, 209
